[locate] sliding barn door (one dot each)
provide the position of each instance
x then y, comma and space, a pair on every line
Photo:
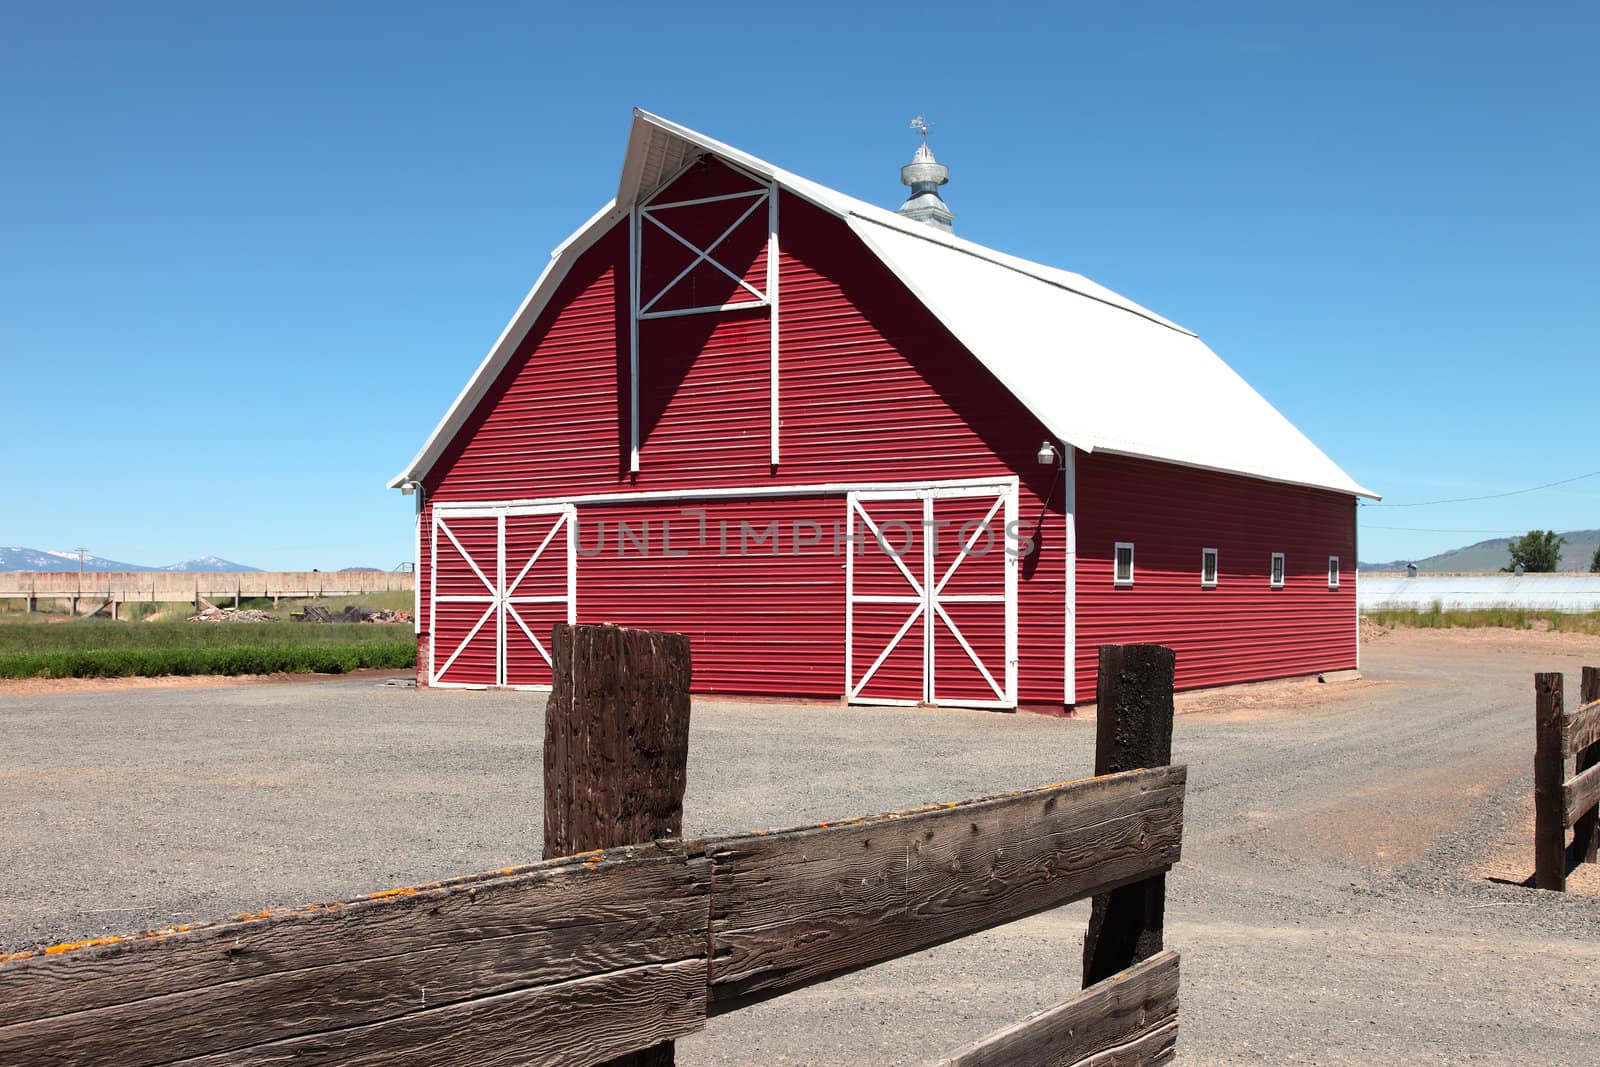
931, 597
502, 578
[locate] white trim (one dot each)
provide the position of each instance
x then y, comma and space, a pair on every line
451, 534
1333, 572
500, 604
500, 598
866, 489
773, 272
1116, 564
416, 566
1012, 563
653, 206
1278, 571
433, 599
633, 341
1069, 674
1355, 545
707, 309
1216, 568
926, 597
465, 641
702, 255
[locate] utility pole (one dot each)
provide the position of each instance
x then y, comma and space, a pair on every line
81, 553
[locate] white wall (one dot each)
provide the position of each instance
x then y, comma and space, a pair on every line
1546, 592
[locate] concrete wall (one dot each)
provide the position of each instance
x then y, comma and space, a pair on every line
1545, 592
181, 586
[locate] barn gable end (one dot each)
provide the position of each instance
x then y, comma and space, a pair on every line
734, 354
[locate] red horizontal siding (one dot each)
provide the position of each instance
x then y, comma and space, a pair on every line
1242, 630
873, 388
762, 616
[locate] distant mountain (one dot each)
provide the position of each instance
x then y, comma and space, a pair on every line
207, 563
35, 559
360, 570
1496, 553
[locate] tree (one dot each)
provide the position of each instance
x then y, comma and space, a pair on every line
1594, 564
1537, 552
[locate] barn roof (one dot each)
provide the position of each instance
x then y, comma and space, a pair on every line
1099, 371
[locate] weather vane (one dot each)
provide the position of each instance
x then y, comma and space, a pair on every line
922, 125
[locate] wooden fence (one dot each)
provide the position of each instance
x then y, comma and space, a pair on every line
609, 955
1562, 804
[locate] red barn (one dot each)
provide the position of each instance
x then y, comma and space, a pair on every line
853, 455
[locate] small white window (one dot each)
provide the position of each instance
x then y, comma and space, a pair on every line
1124, 565
1333, 572
1277, 570
1208, 568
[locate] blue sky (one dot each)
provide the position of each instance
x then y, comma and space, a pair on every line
247, 256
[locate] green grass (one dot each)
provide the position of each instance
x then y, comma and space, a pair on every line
94, 648
1438, 618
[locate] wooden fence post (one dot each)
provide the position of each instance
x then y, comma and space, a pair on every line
1133, 729
616, 748
1549, 769
1587, 829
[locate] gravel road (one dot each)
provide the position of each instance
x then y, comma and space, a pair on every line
1331, 906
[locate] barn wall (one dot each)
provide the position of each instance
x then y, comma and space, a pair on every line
1243, 629
873, 388
762, 617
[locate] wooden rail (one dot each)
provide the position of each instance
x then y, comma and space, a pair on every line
1131, 1017
613, 951
612, 954
1563, 804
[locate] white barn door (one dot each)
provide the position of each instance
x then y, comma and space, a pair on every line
931, 597
500, 578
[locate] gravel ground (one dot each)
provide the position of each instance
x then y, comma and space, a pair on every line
1330, 906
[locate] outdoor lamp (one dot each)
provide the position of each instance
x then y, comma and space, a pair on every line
1047, 454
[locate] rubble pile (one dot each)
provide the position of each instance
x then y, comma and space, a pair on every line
317, 613
233, 615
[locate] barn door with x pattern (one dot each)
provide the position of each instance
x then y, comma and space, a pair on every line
541, 556
931, 592
501, 578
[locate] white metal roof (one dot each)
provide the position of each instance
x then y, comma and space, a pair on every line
1098, 370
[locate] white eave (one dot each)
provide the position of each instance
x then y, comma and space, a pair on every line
1099, 371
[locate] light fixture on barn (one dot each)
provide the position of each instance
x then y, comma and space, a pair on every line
1047, 454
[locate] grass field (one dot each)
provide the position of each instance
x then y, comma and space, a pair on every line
1437, 618
95, 648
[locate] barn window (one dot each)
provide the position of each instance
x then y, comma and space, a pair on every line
1124, 566
1208, 568
1333, 572
1277, 570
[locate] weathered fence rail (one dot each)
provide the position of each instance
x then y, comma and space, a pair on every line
611, 953
1563, 804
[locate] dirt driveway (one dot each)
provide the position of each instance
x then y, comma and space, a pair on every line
1336, 903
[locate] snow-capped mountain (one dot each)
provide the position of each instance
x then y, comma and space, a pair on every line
36, 559
207, 563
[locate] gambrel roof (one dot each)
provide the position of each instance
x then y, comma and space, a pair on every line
1064, 346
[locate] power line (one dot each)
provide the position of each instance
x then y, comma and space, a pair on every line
1430, 529
1490, 496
